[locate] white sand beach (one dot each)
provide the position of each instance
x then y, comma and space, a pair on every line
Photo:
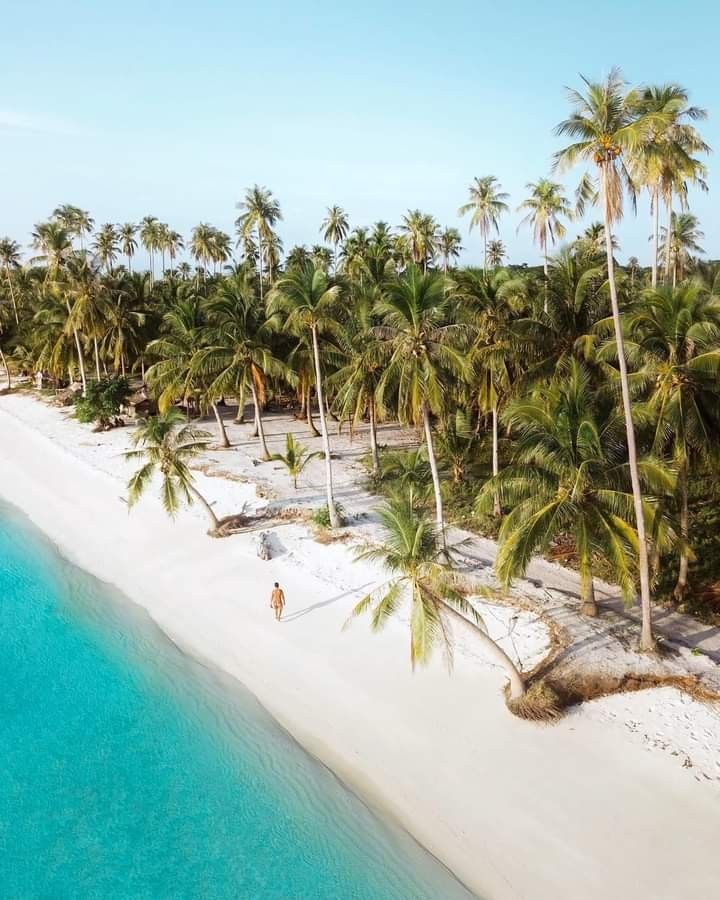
582, 808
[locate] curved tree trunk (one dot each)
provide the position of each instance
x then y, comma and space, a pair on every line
224, 440
258, 421
439, 515
681, 585
655, 201
214, 523
647, 641
240, 415
313, 430
373, 439
334, 518
588, 606
497, 511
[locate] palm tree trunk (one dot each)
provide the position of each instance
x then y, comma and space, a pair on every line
335, 260
668, 239
439, 515
373, 439
313, 430
681, 585
224, 440
97, 358
332, 511
497, 510
258, 420
260, 262
545, 270
206, 506
7, 369
78, 347
484, 253
517, 685
129, 259
655, 200
12, 294
647, 641
240, 415
588, 606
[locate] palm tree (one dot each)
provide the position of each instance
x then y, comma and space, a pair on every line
149, 233
334, 228
306, 300
486, 205
295, 458
421, 231
545, 206
418, 573
77, 222
168, 444
449, 245
260, 212
676, 332
684, 236
128, 244
173, 244
221, 245
424, 354
495, 253
106, 245
606, 124
10, 259
568, 477
202, 245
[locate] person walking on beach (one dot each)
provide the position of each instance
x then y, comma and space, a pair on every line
277, 601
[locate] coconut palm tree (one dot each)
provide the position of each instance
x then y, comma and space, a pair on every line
683, 239
202, 245
174, 244
128, 244
260, 212
149, 235
167, 444
77, 222
496, 253
424, 349
419, 574
305, 301
222, 248
295, 458
545, 206
606, 125
568, 477
486, 205
106, 245
449, 245
9, 260
421, 231
334, 229
677, 332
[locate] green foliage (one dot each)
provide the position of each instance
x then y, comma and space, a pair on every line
321, 517
295, 458
103, 400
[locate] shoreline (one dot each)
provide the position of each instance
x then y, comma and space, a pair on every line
513, 809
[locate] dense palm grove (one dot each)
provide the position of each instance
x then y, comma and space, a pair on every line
572, 408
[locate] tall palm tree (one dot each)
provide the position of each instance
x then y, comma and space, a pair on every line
202, 245
545, 206
9, 260
168, 444
106, 245
77, 222
496, 253
173, 244
306, 300
424, 353
128, 244
568, 476
486, 205
149, 234
421, 231
449, 245
419, 573
334, 228
606, 124
683, 239
259, 213
221, 245
677, 333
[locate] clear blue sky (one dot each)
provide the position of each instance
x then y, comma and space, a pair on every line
173, 108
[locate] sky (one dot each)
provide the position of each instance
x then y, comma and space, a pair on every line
173, 109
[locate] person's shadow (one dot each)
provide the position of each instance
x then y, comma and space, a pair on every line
308, 609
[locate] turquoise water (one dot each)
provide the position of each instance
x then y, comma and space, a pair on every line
127, 770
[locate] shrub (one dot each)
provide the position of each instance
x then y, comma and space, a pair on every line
103, 400
321, 516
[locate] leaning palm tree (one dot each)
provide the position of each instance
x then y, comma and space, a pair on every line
606, 125
305, 300
568, 477
682, 240
128, 244
419, 573
334, 228
424, 354
295, 458
545, 206
677, 333
10, 259
486, 205
168, 444
259, 213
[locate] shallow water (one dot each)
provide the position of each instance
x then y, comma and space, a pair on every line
128, 770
